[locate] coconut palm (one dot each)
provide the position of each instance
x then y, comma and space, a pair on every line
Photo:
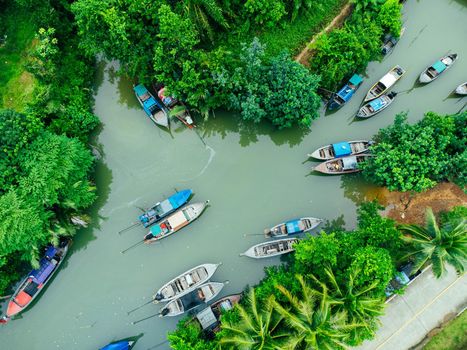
439, 245
203, 13
258, 328
313, 323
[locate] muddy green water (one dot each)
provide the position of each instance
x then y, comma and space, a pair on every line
253, 175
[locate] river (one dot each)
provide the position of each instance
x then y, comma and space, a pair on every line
253, 175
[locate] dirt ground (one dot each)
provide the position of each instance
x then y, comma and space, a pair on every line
410, 208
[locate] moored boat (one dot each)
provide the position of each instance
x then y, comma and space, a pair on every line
175, 222
151, 106
376, 106
345, 94
462, 89
343, 165
271, 248
389, 42
185, 282
340, 149
292, 227
160, 210
176, 108
120, 345
203, 294
437, 68
383, 85
209, 318
36, 280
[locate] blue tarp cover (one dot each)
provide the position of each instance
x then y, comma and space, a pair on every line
293, 226
150, 102
120, 345
156, 230
377, 104
355, 80
179, 198
50, 252
346, 93
43, 272
342, 149
140, 89
439, 66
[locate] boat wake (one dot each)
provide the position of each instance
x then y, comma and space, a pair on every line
212, 153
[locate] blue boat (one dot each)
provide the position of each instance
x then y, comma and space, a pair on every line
346, 93
119, 345
151, 106
292, 227
376, 106
162, 209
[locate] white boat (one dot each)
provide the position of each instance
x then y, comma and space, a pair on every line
201, 295
462, 89
383, 85
292, 227
341, 149
437, 68
271, 248
185, 282
376, 106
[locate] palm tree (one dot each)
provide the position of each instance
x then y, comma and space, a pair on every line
258, 328
313, 324
202, 13
441, 245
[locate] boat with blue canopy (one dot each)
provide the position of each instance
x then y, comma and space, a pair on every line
37, 279
153, 108
345, 94
340, 149
292, 227
120, 345
343, 165
161, 209
376, 106
437, 68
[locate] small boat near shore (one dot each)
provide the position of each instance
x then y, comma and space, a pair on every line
201, 295
292, 227
175, 222
271, 248
151, 106
343, 165
176, 109
374, 107
161, 209
340, 149
209, 318
437, 68
120, 345
345, 94
37, 279
185, 282
389, 42
462, 89
386, 82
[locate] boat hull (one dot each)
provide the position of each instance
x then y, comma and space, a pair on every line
462, 89
427, 77
271, 248
159, 116
326, 152
367, 110
385, 83
280, 230
335, 166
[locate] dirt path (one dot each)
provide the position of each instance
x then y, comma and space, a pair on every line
303, 56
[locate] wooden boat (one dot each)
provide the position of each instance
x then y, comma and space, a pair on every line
389, 42
176, 109
185, 282
271, 248
151, 106
376, 106
203, 294
120, 345
209, 318
341, 149
462, 89
175, 222
343, 165
345, 94
292, 227
437, 68
388, 80
36, 280
161, 209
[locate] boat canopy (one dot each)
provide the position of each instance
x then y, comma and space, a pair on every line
439, 66
50, 252
377, 104
293, 226
388, 80
43, 272
342, 149
140, 90
156, 230
346, 93
150, 103
177, 219
179, 198
119, 345
349, 163
206, 318
356, 80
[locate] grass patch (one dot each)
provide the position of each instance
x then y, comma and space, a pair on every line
16, 84
453, 336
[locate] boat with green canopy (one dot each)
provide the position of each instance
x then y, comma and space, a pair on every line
437, 68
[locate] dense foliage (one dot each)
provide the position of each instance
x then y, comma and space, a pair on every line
416, 157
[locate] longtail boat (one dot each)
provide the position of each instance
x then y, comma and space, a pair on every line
462, 89
389, 42
36, 280
377, 105
185, 282
343, 165
345, 94
209, 318
175, 222
151, 106
383, 85
176, 108
271, 248
160, 210
437, 68
340, 149
120, 345
292, 227
203, 294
